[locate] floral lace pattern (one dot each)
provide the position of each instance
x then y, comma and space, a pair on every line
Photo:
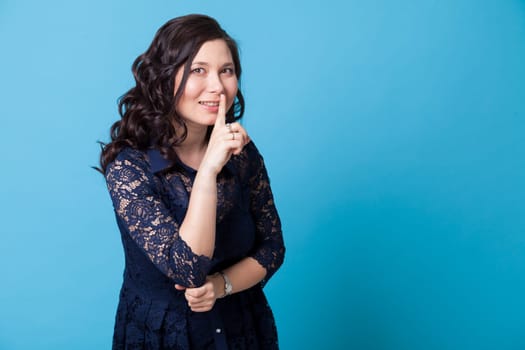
148, 221
150, 203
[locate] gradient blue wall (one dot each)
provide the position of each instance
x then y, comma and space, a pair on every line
393, 132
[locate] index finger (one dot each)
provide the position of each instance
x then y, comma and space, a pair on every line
196, 292
221, 114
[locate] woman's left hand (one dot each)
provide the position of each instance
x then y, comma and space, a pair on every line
202, 299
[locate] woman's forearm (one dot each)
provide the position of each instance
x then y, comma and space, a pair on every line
242, 275
198, 227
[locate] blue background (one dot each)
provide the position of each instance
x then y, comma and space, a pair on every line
392, 130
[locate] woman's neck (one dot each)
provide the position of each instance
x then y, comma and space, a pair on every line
192, 149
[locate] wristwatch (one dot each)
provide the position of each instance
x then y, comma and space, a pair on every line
227, 285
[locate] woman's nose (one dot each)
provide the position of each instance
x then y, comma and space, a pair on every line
215, 84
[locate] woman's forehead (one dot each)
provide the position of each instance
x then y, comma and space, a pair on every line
213, 51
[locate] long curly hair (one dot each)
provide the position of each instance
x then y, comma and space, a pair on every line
148, 110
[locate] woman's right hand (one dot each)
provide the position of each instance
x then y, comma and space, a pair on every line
225, 140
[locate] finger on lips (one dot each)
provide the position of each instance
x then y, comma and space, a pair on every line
221, 114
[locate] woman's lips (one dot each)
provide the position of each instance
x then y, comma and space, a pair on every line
212, 106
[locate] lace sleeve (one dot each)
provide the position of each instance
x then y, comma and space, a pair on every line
269, 249
146, 219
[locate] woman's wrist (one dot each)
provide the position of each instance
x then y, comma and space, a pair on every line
207, 171
222, 285
205, 181
218, 285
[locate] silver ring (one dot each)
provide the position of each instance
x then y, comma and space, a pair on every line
229, 127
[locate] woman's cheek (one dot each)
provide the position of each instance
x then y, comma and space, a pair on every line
192, 88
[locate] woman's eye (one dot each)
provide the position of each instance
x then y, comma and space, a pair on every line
197, 70
228, 71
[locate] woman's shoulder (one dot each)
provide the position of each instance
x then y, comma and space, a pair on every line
251, 152
248, 156
131, 159
130, 153
249, 161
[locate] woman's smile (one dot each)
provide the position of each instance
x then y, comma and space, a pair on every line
212, 106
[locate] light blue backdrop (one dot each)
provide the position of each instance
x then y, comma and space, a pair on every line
394, 136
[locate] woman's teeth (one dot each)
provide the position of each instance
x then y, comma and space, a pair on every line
211, 104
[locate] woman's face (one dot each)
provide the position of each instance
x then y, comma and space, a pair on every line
212, 73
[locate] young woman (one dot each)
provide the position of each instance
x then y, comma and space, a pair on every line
192, 199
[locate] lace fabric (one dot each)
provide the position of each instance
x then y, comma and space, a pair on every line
150, 203
139, 207
269, 247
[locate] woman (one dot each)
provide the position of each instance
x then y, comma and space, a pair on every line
192, 199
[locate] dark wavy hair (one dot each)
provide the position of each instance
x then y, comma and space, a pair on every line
148, 110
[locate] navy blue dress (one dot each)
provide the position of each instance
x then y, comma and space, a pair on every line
150, 197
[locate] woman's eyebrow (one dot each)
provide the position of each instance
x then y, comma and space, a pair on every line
201, 63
